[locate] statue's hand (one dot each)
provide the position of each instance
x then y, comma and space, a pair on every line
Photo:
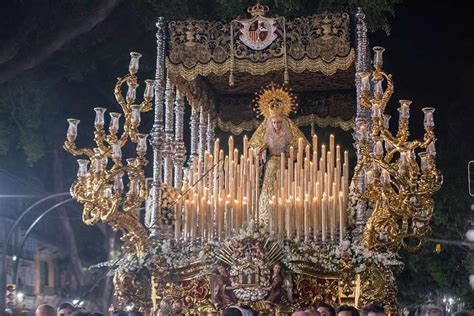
263, 154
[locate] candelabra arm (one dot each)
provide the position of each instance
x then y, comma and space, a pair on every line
118, 92
71, 148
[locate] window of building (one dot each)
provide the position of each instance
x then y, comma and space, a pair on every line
44, 273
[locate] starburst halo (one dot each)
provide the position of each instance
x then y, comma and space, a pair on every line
274, 100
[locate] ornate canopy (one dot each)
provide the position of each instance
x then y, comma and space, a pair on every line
216, 66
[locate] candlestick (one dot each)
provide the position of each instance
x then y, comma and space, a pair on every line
306, 218
342, 222
323, 217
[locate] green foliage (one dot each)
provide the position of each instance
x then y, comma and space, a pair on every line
377, 11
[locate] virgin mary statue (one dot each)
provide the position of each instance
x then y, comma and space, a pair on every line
275, 135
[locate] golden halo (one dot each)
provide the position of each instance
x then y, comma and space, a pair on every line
274, 100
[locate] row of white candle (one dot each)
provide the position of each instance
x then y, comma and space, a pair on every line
222, 193
311, 195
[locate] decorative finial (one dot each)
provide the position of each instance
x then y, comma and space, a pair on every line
360, 14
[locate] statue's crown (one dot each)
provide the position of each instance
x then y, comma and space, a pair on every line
274, 100
257, 9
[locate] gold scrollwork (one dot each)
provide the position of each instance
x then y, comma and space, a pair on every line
101, 190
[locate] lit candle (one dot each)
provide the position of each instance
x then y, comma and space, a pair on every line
342, 217
246, 145
202, 219
322, 167
331, 150
306, 218
228, 219
323, 217
187, 228
297, 216
177, 224
288, 218
315, 208
315, 146
193, 219
289, 177
230, 142
333, 201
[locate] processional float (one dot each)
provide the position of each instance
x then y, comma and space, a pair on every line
274, 222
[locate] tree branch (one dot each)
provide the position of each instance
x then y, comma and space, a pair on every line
18, 65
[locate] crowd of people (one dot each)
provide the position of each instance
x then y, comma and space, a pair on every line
321, 309
324, 309
68, 309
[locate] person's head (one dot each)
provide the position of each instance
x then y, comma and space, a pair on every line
326, 309
277, 122
119, 313
250, 309
221, 269
177, 308
374, 310
231, 311
433, 312
346, 310
277, 268
300, 313
81, 312
65, 309
312, 312
45, 310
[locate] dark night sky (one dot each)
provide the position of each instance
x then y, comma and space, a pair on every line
429, 53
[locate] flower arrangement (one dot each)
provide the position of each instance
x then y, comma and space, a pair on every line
169, 195
325, 256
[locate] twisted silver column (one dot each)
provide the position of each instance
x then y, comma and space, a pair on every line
168, 148
152, 213
194, 133
180, 149
202, 134
211, 136
362, 65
